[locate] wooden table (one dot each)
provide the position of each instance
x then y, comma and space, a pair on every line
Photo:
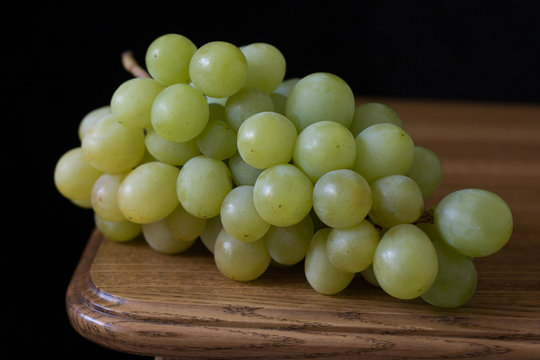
129, 298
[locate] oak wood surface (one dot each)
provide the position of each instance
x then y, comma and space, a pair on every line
133, 299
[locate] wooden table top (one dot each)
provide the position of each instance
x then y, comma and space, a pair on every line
130, 298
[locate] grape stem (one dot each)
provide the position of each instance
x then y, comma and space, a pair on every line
131, 65
427, 217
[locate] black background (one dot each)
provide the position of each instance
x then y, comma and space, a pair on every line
61, 61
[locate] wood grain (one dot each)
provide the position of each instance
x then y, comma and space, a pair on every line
130, 298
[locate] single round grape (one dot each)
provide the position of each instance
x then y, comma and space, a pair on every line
286, 86
159, 237
217, 140
179, 113
148, 193
103, 197
475, 222
405, 262
239, 216
240, 260
210, 232
383, 149
341, 198
74, 177
369, 275
282, 195
245, 103
320, 97
170, 152
119, 231
183, 225
352, 249
320, 273
242, 173
288, 245
324, 146
397, 199
91, 118
167, 58
266, 66
426, 170
202, 185
266, 139
372, 113
219, 69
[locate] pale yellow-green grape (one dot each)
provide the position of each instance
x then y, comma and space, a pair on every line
103, 197
240, 260
341, 198
183, 225
383, 149
242, 173
475, 222
219, 69
148, 192
245, 103
426, 170
170, 152
179, 113
352, 249
282, 195
456, 279
286, 86
131, 102
85, 204
239, 216
120, 231
91, 118
202, 185
266, 66
288, 245
405, 262
369, 276
159, 237
318, 97
372, 113
74, 176
217, 140
320, 273
113, 147
280, 102
397, 199
210, 232
324, 146
167, 58
266, 139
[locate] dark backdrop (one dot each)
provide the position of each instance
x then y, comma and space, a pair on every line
62, 61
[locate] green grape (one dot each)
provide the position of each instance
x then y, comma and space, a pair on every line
103, 197
170, 152
180, 113
282, 195
320, 97
219, 69
240, 260
148, 193
324, 146
74, 177
266, 66
112, 147
372, 113
202, 185
475, 222
341, 198
369, 276
119, 231
210, 232
91, 118
279, 102
320, 273
168, 57
456, 279
245, 103
266, 139
288, 245
217, 140
242, 173
159, 237
85, 204
397, 199
286, 86
352, 249
131, 102
183, 225
405, 262
426, 170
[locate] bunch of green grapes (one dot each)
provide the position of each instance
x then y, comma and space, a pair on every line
214, 143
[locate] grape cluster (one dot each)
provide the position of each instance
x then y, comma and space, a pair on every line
216, 144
